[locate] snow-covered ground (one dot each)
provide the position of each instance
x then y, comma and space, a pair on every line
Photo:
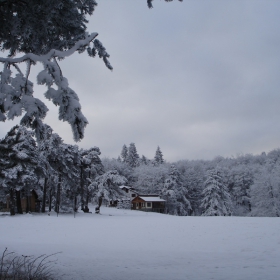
125, 244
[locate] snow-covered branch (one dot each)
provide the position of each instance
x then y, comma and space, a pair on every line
16, 93
52, 53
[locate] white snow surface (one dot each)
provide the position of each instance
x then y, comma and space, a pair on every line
151, 198
127, 244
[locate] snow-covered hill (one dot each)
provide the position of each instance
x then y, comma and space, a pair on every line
125, 244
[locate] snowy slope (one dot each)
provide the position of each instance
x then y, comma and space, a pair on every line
124, 244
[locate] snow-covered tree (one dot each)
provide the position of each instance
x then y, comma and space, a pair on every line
90, 167
107, 186
216, 200
149, 179
158, 159
44, 31
265, 192
239, 188
144, 160
176, 194
124, 153
19, 165
37, 26
132, 157
193, 178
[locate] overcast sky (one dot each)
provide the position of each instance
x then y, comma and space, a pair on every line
198, 78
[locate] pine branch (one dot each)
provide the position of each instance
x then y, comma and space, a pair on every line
52, 53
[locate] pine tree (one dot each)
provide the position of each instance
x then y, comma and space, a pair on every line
144, 160
265, 192
149, 179
216, 200
243, 179
90, 167
158, 156
45, 31
124, 153
176, 194
107, 186
19, 165
132, 157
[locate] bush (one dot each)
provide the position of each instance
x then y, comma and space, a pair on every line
20, 267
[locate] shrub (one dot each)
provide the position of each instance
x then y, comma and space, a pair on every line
20, 267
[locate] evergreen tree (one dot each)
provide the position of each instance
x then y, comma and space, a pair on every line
216, 200
144, 160
240, 187
149, 179
176, 194
107, 186
132, 157
90, 167
193, 179
44, 31
265, 192
18, 165
124, 153
158, 156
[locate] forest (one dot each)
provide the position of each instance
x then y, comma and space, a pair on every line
67, 178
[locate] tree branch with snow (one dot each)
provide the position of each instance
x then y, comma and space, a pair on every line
16, 93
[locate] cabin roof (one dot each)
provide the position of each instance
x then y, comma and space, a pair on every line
152, 199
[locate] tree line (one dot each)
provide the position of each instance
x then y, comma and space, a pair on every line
65, 176
68, 178
245, 185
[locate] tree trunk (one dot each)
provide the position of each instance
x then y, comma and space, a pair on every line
86, 209
50, 200
82, 190
19, 207
57, 202
44, 196
75, 204
27, 201
12, 202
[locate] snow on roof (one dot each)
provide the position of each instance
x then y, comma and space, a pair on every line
152, 198
127, 187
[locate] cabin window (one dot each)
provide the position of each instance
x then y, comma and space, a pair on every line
149, 204
137, 204
133, 195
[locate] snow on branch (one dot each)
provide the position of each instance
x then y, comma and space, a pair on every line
16, 92
52, 53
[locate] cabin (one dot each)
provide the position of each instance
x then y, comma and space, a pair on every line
151, 203
32, 200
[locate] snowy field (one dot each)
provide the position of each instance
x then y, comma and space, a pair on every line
124, 244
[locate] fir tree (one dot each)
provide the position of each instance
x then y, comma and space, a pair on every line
144, 160
265, 192
132, 157
124, 153
158, 156
44, 31
176, 194
18, 164
216, 200
107, 186
90, 167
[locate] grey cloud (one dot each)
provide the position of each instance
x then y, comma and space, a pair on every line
198, 78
